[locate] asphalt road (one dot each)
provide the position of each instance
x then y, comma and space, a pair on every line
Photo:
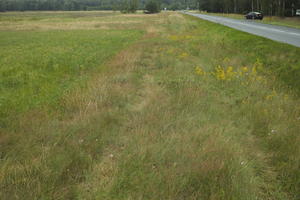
277, 33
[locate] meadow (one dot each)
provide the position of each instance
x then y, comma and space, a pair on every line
101, 105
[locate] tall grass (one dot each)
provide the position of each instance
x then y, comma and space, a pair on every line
186, 112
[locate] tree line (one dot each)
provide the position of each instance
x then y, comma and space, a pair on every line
23, 5
268, 7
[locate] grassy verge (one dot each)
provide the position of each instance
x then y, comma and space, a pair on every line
293, 22
182, 113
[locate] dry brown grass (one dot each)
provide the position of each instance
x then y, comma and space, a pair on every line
58, 21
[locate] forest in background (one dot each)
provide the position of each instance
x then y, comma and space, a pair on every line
268, 7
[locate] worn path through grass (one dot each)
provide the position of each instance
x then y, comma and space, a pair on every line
182, 113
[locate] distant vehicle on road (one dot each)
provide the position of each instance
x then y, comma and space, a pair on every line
298, 12
254, 15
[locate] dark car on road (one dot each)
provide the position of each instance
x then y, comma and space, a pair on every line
254, 15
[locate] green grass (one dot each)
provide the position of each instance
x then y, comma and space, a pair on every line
159, 119
37, 67
293, 22
52, 16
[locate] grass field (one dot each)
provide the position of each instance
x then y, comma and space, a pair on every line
99, 105
293, 22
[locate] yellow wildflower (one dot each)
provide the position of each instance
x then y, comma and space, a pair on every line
230, 69
200, 71
245, 69
220, 73
183, 55
230, 73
